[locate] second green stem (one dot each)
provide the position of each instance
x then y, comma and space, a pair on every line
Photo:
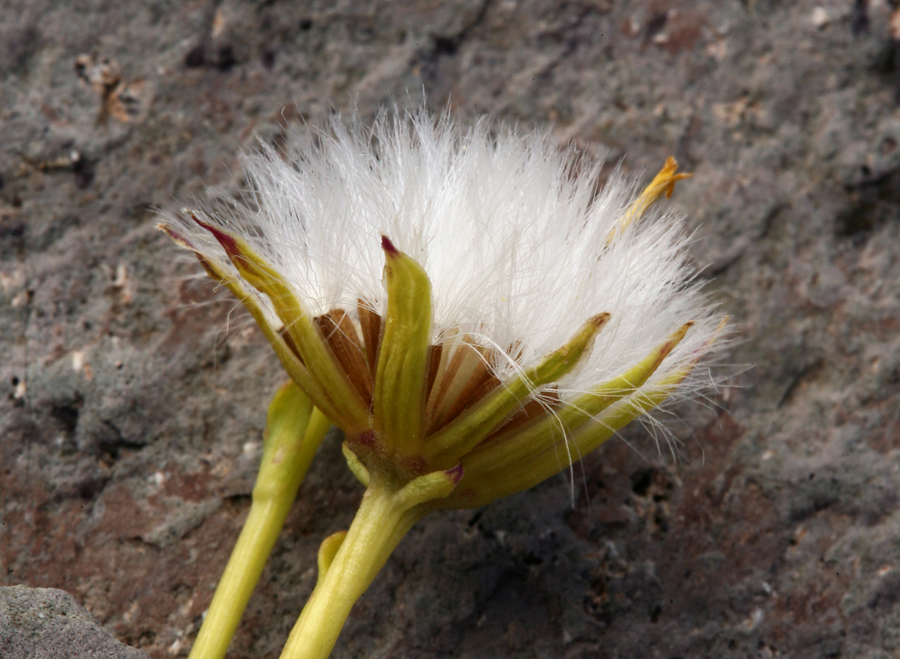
348, 563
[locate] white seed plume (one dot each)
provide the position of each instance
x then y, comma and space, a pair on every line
513, 235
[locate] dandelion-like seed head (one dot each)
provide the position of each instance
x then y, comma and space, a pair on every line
461, 302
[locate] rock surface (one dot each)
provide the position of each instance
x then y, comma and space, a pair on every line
134, 393
42, 623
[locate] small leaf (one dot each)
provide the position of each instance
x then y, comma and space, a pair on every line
328, 550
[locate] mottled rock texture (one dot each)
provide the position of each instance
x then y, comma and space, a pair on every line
134, 393
42, 623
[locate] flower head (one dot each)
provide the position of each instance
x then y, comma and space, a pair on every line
457, 301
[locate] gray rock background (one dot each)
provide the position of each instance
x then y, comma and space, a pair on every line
133, 393
42, 623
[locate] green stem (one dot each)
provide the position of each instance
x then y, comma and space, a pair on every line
385, 515
294, 431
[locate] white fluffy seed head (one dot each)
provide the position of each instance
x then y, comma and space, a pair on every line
513, 234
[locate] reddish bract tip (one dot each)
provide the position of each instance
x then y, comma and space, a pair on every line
228, 243
388, 246
175, 236
600, 319
456, 473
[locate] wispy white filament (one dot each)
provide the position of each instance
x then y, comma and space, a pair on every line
512, 233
